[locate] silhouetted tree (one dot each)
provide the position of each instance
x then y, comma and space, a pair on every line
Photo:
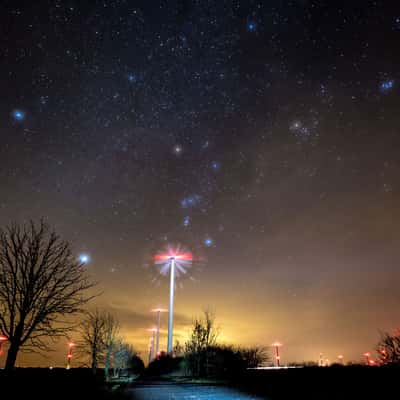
254, 356
136, 365
204, 335
123, 353
388, 348
93, 335
165, 364
101, 343
178, 350
224, 361
40, 282
111, 341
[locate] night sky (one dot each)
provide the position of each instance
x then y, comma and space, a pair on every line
263, 136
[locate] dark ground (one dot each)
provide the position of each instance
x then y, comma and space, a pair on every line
351, 383
331, 383
56, 384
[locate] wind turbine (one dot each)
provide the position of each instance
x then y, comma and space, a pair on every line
158, 311
176, 261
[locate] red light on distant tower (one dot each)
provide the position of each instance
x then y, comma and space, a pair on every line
69, 355
2, 340
367, 358
277, 356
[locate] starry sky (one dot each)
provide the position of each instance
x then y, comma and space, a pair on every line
262, 136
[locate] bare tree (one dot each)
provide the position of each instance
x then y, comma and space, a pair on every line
254, 356
123, 353
388, 348
204, 336
92, 343
111, 329
178, 350
41, 284
99, 339
204, 333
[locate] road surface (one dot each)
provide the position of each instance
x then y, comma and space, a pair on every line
169, 391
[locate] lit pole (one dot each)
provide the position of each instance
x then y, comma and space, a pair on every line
277, 356
341, 358
176, 262
152, 343
150, 346
321, 360
69, 355
2, 340
158, 311
171, 305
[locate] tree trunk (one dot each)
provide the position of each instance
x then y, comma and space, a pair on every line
94, 361
11, 356
107, 365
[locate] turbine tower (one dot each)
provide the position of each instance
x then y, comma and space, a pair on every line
158, 311
151, 345
175, 261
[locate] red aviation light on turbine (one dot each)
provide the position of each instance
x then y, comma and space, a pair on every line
173, 256
177, 256
159, 310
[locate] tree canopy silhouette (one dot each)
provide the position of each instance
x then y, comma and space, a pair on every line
41, 284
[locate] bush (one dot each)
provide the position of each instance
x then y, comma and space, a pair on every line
216, 362
164, 365
136, 365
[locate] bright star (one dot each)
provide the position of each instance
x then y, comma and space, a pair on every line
84, 258
186, 221
295, 125
208, 242
18, 115
251, 26
215, 165
178, 149
132, 78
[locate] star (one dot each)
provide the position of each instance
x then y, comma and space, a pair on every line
251, 26
190, 201
186, 221
387, 86
216, 166
178, 149
84, 258
18, 115
295, 125
208, 242
132, 78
